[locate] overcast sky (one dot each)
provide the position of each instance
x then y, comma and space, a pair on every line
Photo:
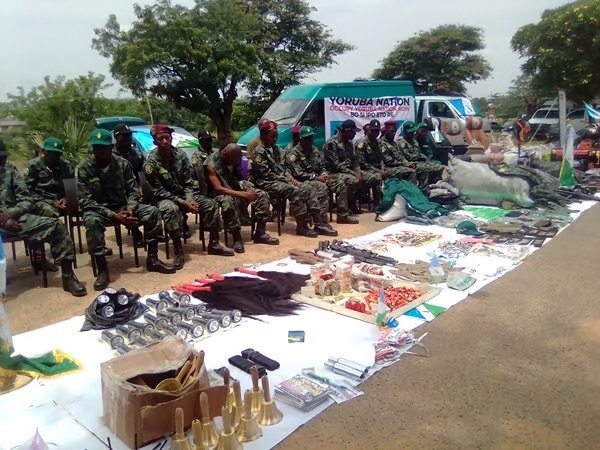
53, 37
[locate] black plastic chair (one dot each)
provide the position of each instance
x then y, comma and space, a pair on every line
31, 249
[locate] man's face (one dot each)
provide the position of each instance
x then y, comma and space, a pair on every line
102, 153
270, 138
421, 132
390, 132
206, 144
232, 158
307, 143
51, 159
373, 133
409, 135
348, 134
124, 140
163, 141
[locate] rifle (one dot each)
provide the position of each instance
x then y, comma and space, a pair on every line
364, 256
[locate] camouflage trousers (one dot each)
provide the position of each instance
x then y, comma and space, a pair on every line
429, 172
233, 209
303, 199
403, 172
344, 186
46, 208
173, 216
40, 229
95, 226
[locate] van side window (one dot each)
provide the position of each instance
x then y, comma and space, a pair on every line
440, 109
314, 115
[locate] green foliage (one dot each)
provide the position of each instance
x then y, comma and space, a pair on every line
439, 60
163, 111
561, 50
200, 57
246, 112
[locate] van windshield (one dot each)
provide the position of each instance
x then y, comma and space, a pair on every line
546, 114
286, 111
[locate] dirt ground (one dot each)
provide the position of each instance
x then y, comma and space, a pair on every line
515, 366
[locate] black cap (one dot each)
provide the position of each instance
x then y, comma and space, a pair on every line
121, 128
374, 125
349, 125
204, 135
3, 150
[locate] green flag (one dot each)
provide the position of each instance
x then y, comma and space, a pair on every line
567, 176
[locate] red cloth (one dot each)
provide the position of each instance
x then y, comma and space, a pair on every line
158, 129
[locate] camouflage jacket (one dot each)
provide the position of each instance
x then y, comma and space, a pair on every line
109, 190
304, 167
340, 157
14, 196
44, 183
198, 160
410, 150
268, 165
369, 155
135, 157
251, 147
229, 178
171, 181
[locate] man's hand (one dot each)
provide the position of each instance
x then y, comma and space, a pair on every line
250, 196
9, 224
126, 218
322, 178
191, 207
61, 204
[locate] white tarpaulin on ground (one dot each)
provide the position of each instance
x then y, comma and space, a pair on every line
363, 110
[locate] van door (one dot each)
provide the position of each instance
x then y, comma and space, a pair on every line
446, 113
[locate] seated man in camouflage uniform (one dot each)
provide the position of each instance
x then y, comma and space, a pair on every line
270, 174
107, 191
17, 216
396, 164
169, 174
198, 159
428, 172
305, 164
343, 168
436, 149
226, 184
45, 175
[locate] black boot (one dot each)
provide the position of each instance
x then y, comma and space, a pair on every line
69, 281
322, 227
138, 237
215, 247
179, 256
153, 264
302, 228
103, 278
347, 219
262, 237
238, 242
40, 262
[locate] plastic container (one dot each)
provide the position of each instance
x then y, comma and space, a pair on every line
343, 274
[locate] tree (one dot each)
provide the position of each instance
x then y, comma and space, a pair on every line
561, 50
441, 60
200, 57
291, 45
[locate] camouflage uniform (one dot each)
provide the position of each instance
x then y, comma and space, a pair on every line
305, 168
233, 210
46, 184
395, 162
428, 172
135, 157
198, 159
251, 147
16, 201
270, 174
102, 193
341, 164
173, 186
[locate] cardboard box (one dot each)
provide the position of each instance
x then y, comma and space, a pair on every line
140, 414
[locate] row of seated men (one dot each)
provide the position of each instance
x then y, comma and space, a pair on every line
304, 175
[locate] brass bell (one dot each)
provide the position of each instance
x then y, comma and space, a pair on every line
248, 430
180, 440
209, 436
227, 439
256, 392
239, 404
269, 414
197, 433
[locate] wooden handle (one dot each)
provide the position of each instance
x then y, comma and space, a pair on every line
179, 421
183, 371
204, 407
192, 373
247, 404
226, 420
254, 375
226, 377
265, 386
237, 391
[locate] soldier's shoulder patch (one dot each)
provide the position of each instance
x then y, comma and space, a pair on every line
292, 157
148, 168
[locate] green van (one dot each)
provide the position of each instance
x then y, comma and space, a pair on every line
324, 106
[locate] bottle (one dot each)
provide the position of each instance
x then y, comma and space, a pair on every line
435, 268
382, 309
